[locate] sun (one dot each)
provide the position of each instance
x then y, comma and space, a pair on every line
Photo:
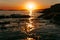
30, 6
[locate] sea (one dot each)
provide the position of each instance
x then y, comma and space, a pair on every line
32, 28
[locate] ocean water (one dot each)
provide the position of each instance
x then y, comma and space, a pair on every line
32, 28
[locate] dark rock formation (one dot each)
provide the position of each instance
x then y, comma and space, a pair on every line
19, 16
14, 16
52, 13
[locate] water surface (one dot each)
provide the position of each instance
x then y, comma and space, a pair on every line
32, 28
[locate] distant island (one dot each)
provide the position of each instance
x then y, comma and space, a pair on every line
14, 16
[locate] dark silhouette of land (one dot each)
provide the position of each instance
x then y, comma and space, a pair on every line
52, 13
14, 16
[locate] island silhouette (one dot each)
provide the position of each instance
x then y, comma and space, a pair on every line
52, 13
14, 16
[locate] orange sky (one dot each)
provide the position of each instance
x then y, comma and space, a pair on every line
19, 4
19, 7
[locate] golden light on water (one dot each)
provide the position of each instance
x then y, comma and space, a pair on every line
30, 6
30, 39
30, 25
30, 14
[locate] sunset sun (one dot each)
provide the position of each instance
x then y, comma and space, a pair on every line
30, 6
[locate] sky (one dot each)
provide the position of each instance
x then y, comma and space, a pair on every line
18, 4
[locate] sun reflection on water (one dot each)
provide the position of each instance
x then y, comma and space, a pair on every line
30, 25
30, 39
30, 12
